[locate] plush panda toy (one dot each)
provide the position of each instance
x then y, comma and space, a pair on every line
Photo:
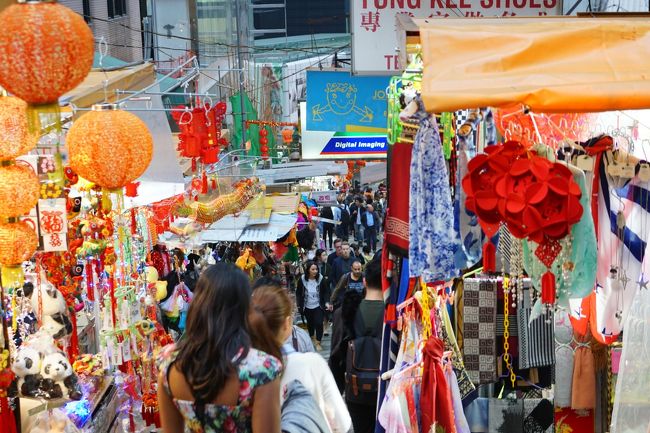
27, 367
58, 378
55, 319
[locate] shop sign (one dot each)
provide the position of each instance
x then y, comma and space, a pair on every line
374, 36
324, 198
341, 145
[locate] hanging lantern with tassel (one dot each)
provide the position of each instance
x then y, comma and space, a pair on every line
264, 141
47, 49
17, 242
109, 147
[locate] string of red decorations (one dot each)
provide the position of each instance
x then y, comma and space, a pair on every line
269, 123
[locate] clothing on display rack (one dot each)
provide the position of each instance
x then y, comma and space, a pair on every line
564, 347
536, 343
479, 329
435, 403
433, 239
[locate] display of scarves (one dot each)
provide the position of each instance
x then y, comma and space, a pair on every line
397, 216
454, 394
536, 341
436, 411
479, 329
433, 240
631, 412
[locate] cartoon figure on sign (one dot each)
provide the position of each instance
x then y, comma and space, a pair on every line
341, 100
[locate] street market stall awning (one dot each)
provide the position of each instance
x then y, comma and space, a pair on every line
548, 64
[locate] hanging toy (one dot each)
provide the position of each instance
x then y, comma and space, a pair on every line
246, 262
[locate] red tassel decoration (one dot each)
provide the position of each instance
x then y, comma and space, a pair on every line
214, 184
193, 165
134, 224
489, 257
204, 183
548, 288
73, 348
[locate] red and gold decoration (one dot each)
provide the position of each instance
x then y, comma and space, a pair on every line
200, 132
535, 198
264, 141
109, 147
15, 136
47, 50
19, 189
18, 241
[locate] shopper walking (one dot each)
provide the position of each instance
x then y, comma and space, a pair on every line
328, 226
356, 213
213, 380
312, 296
370, 221
351, 281
273, 305
342, 264
359, 324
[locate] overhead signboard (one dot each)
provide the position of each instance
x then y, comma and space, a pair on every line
344, 117
324, 198
374, 38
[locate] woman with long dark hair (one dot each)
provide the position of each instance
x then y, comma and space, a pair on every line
213, 380
312, 294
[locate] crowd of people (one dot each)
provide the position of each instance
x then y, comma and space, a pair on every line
243, 365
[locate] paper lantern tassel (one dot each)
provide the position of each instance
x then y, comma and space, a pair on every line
489, 257
548, 288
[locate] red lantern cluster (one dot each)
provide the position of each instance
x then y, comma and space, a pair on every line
535, 198
200, 136
264, 141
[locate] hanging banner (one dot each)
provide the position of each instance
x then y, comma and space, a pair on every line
373, 24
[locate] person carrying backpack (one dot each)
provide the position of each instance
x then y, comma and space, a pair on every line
356, 349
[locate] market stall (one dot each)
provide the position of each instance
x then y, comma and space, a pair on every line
525, 230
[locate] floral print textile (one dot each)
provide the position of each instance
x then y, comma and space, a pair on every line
433, 239
257, 369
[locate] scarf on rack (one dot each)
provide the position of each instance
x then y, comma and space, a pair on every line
437, 413
433, 240
397, 216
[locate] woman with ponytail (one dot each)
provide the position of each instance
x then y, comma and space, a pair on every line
271, 323
213, 380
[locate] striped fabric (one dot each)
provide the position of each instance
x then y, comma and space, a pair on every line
536, 337
624, 248
479, 329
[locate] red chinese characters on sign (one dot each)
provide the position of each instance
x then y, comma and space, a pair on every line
55, 240
370, 21
52, 221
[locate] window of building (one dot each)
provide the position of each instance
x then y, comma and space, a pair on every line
116, 8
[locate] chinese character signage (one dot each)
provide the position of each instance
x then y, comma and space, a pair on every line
374, 32
338, 101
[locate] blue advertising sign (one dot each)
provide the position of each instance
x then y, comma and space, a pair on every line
338, 101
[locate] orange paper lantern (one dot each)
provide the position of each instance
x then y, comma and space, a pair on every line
19, 190
15, 137
47, 50
17, 243
109, 147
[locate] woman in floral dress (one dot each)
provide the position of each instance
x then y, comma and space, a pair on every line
213, 380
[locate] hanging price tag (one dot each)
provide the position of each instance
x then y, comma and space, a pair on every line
126, 350
644, 172
585, 163
134, 343
119, 358
125, 314
614, 170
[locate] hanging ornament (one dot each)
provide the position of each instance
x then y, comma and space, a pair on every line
15, 136
47, 50
19, 189
18, 242
287, 136
109, 147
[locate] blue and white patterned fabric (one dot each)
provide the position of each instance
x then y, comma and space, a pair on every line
433, 239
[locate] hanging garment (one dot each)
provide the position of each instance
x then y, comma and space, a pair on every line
397, 216
571, 421
563, 359
583, 391
538, 416
632, 397
505, 415
479, 329
536, 340
454, 394
433, 240
477, 414
435, 404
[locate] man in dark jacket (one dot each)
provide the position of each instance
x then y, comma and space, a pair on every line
342, 264
371, 309
357, 209
370, 221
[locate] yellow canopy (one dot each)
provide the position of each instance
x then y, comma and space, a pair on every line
548, 64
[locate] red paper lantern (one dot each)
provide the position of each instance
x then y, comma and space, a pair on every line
19, 190
47, 50
263, 132
109, 147
287, 136
264, 141
15, 136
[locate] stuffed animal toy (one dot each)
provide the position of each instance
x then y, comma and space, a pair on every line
27, 367
54, 312
59, 379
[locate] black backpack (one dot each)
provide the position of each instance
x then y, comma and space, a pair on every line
345, 216
362, 363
